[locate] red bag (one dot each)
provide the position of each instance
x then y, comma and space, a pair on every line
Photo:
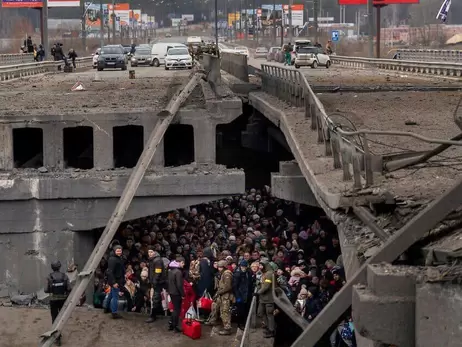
169, 304
205, 302
191, 328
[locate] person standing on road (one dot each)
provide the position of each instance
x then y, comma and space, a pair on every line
157, 279
116, 280
58, 287
287, 54
176, 290
223, 299
266, 302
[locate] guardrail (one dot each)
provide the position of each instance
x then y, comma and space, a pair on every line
427, 68
17, 58
250, 324
291, 86
10, 72
433, 55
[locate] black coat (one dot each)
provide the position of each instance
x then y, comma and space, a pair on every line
206, 281
175, 282
115, 270
157, 272
242, 285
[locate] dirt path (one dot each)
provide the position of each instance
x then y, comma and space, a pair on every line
21, 327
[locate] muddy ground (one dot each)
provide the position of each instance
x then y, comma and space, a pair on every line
21, 327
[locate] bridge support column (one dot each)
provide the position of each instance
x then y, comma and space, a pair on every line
53, 156
6, 147
103, 147
205, 140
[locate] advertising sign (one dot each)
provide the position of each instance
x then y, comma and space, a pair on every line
176, 22
297, 14
93, 16
21, 3
187, 17
39, 3
122, 13
144, 18
233, 17
377, 2
135, 16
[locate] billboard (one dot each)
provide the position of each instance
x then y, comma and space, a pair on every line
188, 17
122, 13
377, 2
176, 22
93, 16
297, 14
39, 3
135, 17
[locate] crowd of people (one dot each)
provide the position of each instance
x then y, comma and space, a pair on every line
213, 258
56, 52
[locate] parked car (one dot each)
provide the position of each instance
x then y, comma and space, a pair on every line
260, 52
95, 58
312, 56
142, 56
112, 57
159, 51
242, 50
178, 57
272, 53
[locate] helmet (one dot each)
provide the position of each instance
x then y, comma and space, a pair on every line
222, 263
55, 266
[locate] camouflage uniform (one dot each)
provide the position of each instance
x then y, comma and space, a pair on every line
224, 298
266, 302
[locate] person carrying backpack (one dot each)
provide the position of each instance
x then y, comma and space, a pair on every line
58, 286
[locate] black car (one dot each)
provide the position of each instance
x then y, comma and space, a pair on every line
112, 57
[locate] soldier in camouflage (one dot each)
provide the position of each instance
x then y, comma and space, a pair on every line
223, 299
266, 300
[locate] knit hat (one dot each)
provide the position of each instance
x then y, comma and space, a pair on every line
244, 263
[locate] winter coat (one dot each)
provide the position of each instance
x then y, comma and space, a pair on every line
189, 298
206, 280
115, 270
157, 272
175, 280
242, 285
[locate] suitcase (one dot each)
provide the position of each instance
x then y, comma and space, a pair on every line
191, 328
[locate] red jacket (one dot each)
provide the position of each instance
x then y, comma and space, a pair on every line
189, 298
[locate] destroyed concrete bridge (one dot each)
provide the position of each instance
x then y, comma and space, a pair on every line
337, 140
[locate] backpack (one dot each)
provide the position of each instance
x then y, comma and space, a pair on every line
58, 283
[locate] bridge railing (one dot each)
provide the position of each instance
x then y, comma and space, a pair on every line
433, 55
422, 67
347, 149
250, 324
9, 72
17, 58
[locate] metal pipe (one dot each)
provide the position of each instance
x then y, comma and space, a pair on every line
378, 24
44, 25
370, 20
367, 218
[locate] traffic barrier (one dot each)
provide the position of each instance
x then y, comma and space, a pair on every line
235, 64
9, 72
432, 55
445, 69
17, 58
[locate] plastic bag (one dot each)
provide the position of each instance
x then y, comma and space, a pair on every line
191, 313
164, 296
205, 302
170, 303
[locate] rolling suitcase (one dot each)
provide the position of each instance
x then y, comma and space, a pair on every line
191, 327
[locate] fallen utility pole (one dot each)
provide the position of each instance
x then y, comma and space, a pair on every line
165, 118
396, 244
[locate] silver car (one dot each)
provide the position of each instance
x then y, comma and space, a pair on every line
260, 52
142, 56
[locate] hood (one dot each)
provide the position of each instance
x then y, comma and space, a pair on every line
174, 264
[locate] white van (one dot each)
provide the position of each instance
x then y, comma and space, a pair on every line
159, 51
194, 40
